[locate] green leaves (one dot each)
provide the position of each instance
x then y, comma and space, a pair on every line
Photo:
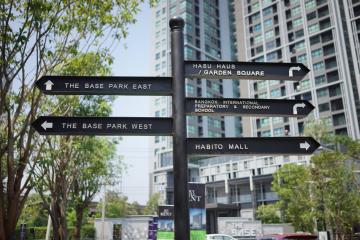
325, 192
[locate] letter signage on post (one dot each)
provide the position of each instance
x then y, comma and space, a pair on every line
245, 70
104, 85
253, 146
110, 126
251, 107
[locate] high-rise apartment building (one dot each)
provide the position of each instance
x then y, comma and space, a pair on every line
208, 36
322, 35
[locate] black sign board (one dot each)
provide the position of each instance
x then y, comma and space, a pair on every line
197, 195
253, 107
261, 145
109, 85
245, 70
166, 211
111, 126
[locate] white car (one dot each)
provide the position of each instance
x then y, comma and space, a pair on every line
219, 237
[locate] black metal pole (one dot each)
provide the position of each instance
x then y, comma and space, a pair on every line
181, 199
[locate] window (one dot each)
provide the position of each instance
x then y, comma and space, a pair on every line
275, 92
267, 11
324, 107
257, 27
318, 66
172, 10
157, 67
255, 17
266, 133
264, 122
269, 34
157, 56
316, 53
277, 120
301, 58
262, 85
320, 80
268, 22
263, 95
270, 45
255, 6
310, 4
274, 82
313, 28
258, 39
190, 130
235, 166
297, 22
190, 89
278, 131
304, 84
299, 46
271, 56
322, 92
295, 11
314, 40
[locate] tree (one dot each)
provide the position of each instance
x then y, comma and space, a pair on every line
74, 167
336, 192
326, 192
152, 205
94, 168
34, 214
36, 37
268, 214
291, 184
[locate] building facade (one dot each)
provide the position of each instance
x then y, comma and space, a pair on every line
208, 36
322, 34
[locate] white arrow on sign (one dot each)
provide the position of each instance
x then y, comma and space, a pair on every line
292, 69
296, 106
45, 125
304, 145
48, 85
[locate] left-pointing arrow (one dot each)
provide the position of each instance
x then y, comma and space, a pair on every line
45, 125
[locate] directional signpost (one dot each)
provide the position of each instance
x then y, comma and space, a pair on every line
253, 146
108, 85
245, 70
176, 126
251, 107
103, 126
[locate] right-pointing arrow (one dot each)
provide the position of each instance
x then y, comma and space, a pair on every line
305, 145
45, 125
296, 106
48, 85
292, 69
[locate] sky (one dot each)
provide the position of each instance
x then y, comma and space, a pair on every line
134, 60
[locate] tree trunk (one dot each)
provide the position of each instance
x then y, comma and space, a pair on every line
59, 221
79, 216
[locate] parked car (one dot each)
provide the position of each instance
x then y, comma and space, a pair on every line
288, 236
219, 237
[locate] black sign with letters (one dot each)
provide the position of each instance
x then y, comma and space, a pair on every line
245, 70
251, 107
256, 145
110, 126
107, 85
